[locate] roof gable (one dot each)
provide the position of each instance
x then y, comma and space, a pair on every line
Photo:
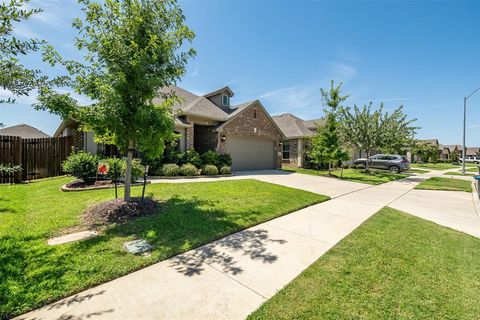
293, 126
23, 130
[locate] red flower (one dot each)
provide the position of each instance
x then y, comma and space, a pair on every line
102, 169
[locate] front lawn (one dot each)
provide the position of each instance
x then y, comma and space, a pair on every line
448, 184
439, 166
355, 175
433, 274
456, 173
33, 273
420, 171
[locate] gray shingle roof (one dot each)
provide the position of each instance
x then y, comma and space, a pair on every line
193, 104
23, 130
292, 126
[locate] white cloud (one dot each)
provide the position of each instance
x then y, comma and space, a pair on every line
23, 31
342, 71
293, 99
194, 72
30, 99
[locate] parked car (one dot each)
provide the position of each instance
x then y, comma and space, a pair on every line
391, 162
470, 159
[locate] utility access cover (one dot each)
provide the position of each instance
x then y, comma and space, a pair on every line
138, 246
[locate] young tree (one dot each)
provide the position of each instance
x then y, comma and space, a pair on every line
15, 77
454, 156
133, 48
427, 152
368, 130
325, 146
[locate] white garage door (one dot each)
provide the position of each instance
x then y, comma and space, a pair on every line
251, 153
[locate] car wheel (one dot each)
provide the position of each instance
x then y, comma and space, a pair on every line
394, 169
476, 162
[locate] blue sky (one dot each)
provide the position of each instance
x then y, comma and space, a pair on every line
423, 55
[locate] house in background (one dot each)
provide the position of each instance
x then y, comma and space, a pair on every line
23, 130
297, 132
210, 122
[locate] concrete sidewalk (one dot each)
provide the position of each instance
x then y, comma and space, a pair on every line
231, 277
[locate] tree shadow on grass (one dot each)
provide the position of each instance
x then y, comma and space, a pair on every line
185, 224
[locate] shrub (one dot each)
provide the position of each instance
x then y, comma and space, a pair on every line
81, 165
170, 170
224, 160
172, 156
9, 168
210, 157
137, 169
193, 157
116, 169
225, 170
155, 166
210, 170
188, 169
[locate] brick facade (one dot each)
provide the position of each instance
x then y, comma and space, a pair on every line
189, 138
253, 122
293, 157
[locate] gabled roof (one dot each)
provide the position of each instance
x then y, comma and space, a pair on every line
23, 130
226, 88
430, 141
193, 104
292, 126
244, 106
472, 151
313, 124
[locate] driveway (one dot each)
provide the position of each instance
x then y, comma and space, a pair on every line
453, 209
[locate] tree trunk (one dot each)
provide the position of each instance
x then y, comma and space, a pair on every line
330, 168
367, 162
128, 171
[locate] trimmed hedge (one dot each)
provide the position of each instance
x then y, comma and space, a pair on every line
170, 170
210, 170
225, 170
188, 169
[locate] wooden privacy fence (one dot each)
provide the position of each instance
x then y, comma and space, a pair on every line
39, 157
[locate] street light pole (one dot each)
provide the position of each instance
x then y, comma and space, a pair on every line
464, 125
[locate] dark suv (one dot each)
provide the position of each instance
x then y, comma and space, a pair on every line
391, 162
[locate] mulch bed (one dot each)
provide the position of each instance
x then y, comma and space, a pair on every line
80, 185
118, 211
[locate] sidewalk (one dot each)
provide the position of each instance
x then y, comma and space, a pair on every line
231, 277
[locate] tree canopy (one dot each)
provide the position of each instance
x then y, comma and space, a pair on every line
369, 129
15, 77
133, 48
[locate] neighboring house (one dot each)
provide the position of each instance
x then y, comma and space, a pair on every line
23, 130
473, 151
209, 122
297, 132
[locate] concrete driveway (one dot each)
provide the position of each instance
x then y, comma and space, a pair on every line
453, 209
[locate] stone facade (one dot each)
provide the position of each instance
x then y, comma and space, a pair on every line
205, 138
253, 122
189, 138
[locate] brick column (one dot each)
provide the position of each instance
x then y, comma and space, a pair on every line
189, 137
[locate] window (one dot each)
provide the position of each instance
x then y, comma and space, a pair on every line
255, 113
225, 101
286, 150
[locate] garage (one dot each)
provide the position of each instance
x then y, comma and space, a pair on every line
251, 153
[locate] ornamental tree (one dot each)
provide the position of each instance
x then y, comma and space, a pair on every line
325, 146
132, 49
370, 129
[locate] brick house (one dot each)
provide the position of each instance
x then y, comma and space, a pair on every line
297, 133
209, 122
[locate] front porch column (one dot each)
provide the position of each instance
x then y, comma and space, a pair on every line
189, 137
300, 153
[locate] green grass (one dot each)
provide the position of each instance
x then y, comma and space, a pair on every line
436, 166
193, 214
456, 173
412, 170
355, 175
472, 169
448, 184
433, 274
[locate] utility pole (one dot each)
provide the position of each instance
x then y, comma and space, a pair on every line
464, 153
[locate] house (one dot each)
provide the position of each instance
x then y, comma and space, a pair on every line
297, 132
210, 122
23, 130
473, 151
